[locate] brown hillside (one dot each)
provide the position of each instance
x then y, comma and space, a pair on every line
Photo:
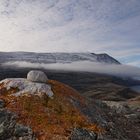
49, 118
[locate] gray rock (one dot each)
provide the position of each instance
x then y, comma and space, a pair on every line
21, 130
2, 103
82, 134
11, 130
7, 123
37, 76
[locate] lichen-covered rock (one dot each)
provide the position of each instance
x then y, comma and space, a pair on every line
22, 86
22, 131
37, 76
7, 123
11, 130
82, 134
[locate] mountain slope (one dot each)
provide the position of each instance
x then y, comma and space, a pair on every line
56, 57
62, 116
49, 118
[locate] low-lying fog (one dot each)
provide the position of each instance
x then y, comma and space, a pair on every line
85, 66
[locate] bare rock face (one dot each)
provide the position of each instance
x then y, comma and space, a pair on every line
37, 76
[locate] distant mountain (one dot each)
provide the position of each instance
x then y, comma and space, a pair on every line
56, 57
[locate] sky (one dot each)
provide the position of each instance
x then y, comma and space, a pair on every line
98, 26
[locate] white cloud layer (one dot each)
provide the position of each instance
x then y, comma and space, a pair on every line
111, 26
84, 66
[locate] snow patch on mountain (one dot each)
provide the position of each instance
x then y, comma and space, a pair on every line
56, 57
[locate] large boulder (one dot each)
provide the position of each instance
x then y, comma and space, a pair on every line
37, 76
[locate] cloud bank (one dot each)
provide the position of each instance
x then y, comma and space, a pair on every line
110, 26
83, 66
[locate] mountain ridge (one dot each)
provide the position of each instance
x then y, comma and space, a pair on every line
57, 57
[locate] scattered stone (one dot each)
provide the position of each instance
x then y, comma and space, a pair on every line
119, 107
82, 134
37, 76
2, 103
131, 116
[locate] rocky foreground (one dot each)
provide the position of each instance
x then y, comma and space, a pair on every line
36, 108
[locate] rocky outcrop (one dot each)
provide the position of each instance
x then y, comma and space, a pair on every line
37, 76
82, 134
22, 86
10, 129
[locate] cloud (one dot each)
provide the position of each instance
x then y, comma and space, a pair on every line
71, 25
84, 66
